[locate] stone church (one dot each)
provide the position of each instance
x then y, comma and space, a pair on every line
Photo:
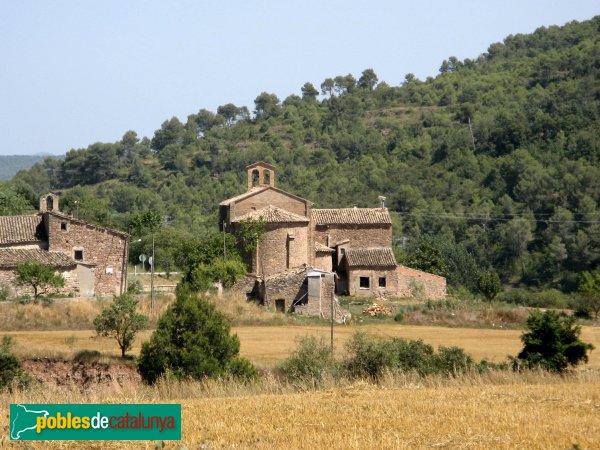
307, 254
92, 259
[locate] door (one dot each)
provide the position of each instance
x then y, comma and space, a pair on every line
85, 275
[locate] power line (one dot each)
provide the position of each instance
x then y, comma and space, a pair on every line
497, 218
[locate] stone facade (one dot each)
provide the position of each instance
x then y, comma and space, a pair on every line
298, 237
93, 259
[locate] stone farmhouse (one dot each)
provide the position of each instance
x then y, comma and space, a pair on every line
92, 259
306, 255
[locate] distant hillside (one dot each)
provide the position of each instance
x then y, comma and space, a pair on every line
11, 164
497, 159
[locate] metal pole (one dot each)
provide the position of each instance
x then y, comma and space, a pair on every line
152, 278
224, 248
331, 296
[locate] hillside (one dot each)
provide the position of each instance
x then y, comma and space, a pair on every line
492, 163
11, 164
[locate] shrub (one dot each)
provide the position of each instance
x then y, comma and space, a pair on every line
488, 284
134, 287
192, 339
121, 321
4, 292
311, 361
41, 278
399, 316
552, 343
10, 366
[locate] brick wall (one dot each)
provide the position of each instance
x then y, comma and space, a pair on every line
101, 248
365, 236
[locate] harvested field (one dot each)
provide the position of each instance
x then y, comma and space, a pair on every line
495, 411
267, 345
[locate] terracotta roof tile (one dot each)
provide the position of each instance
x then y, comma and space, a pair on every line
254, 190
320, 248
272, 214
370, 257
351, 216
9, 258
20, 229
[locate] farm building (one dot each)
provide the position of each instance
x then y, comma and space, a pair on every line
92, 259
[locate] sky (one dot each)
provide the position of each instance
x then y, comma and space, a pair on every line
76, 72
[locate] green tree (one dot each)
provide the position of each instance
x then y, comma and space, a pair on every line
309, 92
40, 277
121, 321
11, 202
266, 105
229, 113
10, 366
225, 271
192, 339
589, 293
170, 132
368, 80
552, 343
488, 283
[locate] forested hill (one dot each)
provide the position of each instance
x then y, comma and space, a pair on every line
496, 158
11, 164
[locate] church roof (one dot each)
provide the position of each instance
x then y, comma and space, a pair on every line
20, 229
370, 257
351, 216
320, 248
272, 214
9, 258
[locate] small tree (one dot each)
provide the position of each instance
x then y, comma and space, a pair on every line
488, 284
121, 321
192, 339
589, 293
10, 366
552, 343
40, 277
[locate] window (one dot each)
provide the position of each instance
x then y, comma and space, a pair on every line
364, 282
280, 305
63, 226
78, 255
381, 281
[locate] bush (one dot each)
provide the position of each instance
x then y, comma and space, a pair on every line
399, 316
10, 366
121, 321
134, 287
372, 358
311, 361
488, 284
552, 343
548, 298
4, 292
192, 339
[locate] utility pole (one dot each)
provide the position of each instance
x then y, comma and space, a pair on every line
331, 297
152, 277
224, 247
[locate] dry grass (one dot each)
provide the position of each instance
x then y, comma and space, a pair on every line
268, 345
497, 410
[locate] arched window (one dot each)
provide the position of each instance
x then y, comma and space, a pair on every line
267, 177
255, 178
49, 203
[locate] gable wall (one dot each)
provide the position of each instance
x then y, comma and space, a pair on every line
360, 236
266, 198
102, 249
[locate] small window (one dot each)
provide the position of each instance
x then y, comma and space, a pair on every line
280, 305
364, 282
381, 281
78, 255
63, 226
343, 251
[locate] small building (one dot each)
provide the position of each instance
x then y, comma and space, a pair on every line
91, 258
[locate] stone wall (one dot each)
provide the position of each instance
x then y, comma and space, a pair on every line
323, 261
269, 197
282, 246
360, 236
71, 287
374, 290
415, 283
102, 248
289, 286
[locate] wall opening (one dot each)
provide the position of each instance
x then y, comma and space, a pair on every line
381, 281
255, 178
78, 255
49, 203
364, 282
280, 305
267, 177
63, 226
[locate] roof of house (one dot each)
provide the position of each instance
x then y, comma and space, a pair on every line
272, 214
63, 216
370, 257
9, 258
20, 229
351, 216
261, 164
320, 248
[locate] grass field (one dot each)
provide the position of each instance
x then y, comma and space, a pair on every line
494, 411
267, 345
